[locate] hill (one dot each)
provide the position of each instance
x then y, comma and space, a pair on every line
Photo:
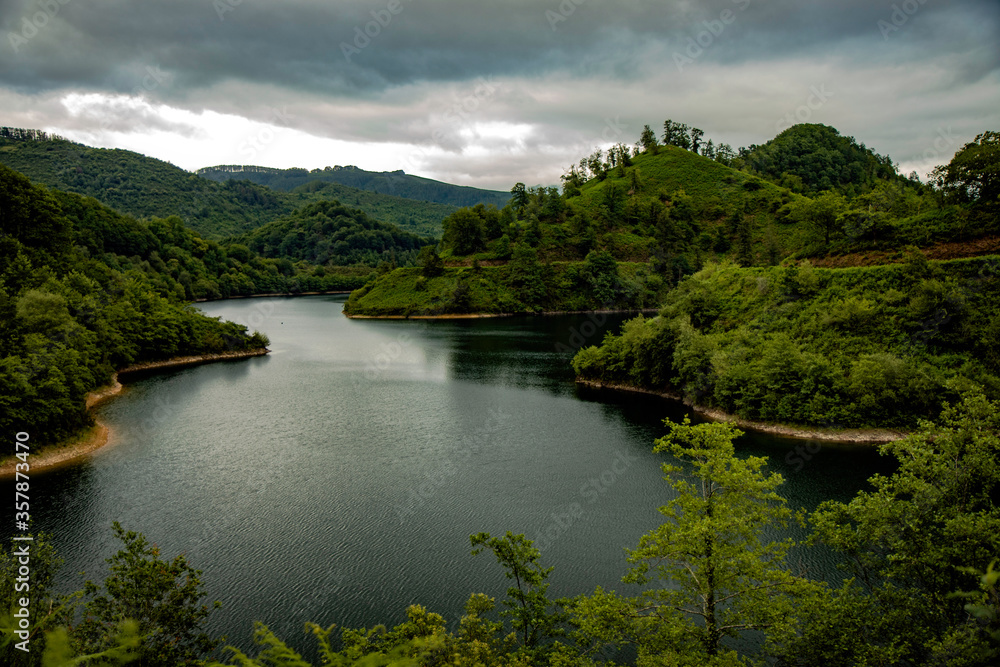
810, 158
72, 309
330, 233
146, 187
877, 346
395, 183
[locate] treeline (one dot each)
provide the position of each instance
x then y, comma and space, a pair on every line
714, 585
396, 183
330, 233
23, 134
872, 347
85, 290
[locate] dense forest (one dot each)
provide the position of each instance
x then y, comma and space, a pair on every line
396, 183
72, 310
330, 233
919, 553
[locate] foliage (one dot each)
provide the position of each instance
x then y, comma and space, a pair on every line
837, 348
163, 597
821, 158
330, 233
973, 175
85, 290
527, 603
721, 576
909, 544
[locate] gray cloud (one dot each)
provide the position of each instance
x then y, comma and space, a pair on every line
733, 67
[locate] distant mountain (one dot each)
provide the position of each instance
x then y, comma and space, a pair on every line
396, 183
145, 187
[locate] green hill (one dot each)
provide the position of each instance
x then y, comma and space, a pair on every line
395, 183
877, 346
810, 158
412, 215
146, 187
84, 291
330, 233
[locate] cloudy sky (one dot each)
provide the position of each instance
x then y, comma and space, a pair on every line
491, 93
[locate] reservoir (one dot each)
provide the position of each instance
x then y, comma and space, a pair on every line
337, 479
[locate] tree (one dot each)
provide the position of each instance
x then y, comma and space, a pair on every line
464, 232
647, 140
973, 175
525, 275
163, 597
910, 542
723, 577
527, 604
519, 198
822, 214
696, 136
430, 262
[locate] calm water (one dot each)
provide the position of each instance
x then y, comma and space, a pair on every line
338, 479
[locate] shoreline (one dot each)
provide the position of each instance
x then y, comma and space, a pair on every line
98, 435
852, 436
467, 316
256, 296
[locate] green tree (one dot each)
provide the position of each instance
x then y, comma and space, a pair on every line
910, 543
647, 140
519, 198
430, 262
163, 597
973, 175
527, 604
723, 577
464, 232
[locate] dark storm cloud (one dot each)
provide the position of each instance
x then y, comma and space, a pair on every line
397, 70
301, 45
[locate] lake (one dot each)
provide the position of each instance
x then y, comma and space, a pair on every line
338, 479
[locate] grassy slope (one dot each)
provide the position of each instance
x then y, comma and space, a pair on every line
404, 292
716, 191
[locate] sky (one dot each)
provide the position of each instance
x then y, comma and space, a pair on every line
493, 93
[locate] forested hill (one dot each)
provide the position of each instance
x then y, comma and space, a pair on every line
84, 291
396, 183
146, 187
810, 158
328, 232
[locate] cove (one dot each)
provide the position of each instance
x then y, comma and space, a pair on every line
337, 479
